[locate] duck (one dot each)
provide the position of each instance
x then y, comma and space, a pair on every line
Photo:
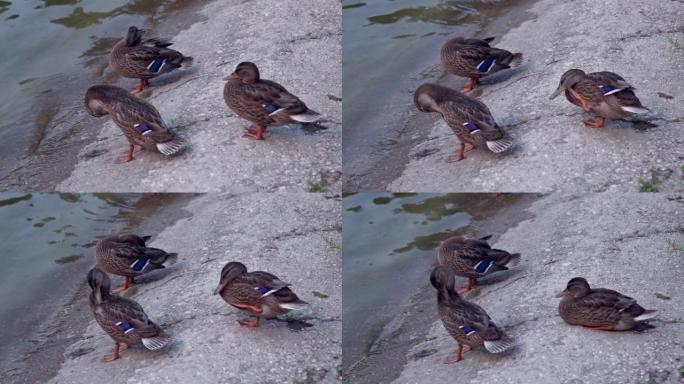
123, 319
263, 102
474, 258
128, 255
606, 94
139, 120
136, 58
475, 59
467, 117
466, 322
600, 308
258, 293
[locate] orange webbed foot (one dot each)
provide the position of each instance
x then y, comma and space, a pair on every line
596, 123
251, 322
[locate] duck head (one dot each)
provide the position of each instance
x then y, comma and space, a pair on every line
229, 272
577, 287
99, 283
247, 72
567, 81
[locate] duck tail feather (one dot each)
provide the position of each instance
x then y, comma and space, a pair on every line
498, 146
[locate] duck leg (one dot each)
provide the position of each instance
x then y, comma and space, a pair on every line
579, 98
459, 352
139, 88
114, 355
471, 85
127, 158
250, 322
595, 123
256, 133
124, 286
469, 285
138, 148
461, 153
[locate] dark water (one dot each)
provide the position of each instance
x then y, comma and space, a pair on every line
48, 245
389, 48
389, 247
52, 51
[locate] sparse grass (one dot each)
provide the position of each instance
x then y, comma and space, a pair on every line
297, 381
681, 370
647, 185
676, 44
675, 247
316, 187
332, 244
682, 168
339, 370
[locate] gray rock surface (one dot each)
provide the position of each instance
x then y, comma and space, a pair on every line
619, 241
295, 43
644, 42
295, 236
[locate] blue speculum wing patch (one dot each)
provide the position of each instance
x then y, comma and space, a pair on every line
140, 264
143, 129
156, 65
606, 89
124, 326
486, 65
270, 108
263, 290
483, 266
472, 128
467, 329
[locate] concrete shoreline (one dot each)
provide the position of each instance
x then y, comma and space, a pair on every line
555, 151
306, 60
295, 236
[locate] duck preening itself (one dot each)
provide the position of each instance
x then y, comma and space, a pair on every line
139, 120
467, 117
466, 322
259, 293
263, 102
606, 94
123, 319
141, 59
475, 59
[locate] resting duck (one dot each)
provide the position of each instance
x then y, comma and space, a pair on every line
606, 94
134, 58
469, 118
259, 293
140, 122
123, 319
466, 322
263, 102
474, 258
600, 308
474, 58
127, 255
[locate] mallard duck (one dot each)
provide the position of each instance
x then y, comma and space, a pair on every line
127, 255
466, 322
473, 258
474, 58
469, 118
606, 94
134, 58
259, 293
123, 319
600, 308
263, 102
138, 120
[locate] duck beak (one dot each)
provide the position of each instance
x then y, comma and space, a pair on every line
558, 92
220, 287
232, 76
562, 293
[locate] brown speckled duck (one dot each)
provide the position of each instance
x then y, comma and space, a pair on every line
600, 308
473, 258
139, 120
466, 322
141, 59
475, 59
469, 118
606, 94
263, 102
259, 293
127, 255
123, 319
